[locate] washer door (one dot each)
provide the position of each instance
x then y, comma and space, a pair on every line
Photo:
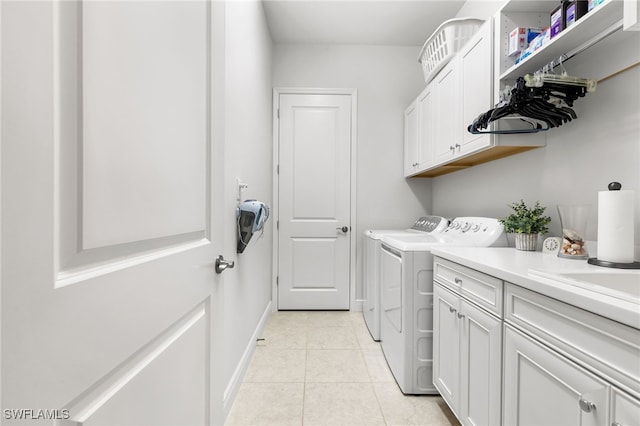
391, 280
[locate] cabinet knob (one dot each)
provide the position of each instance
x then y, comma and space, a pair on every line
457, 280
452, 309
460, 315
586, 406
457, 145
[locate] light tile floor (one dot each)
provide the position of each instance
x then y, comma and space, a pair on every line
323, 368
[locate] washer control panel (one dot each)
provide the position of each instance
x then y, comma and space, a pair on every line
431, 224
476, 231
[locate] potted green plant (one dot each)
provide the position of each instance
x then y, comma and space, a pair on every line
526, 223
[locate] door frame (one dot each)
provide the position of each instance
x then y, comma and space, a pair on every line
353, 93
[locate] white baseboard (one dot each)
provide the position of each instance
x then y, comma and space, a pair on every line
233, 386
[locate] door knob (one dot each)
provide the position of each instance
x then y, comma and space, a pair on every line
344, 229
222, 264
586, 406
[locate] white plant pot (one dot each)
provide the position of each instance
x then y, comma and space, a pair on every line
527, 242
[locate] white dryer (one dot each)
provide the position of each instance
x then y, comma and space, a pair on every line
406, 280
371, 278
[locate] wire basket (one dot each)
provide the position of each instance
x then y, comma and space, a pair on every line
445, 42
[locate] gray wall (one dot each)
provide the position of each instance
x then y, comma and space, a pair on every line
387, 79
248, 152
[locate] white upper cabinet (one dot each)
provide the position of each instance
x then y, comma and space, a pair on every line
460, 92
472, 81
476, 83
420, 132
411, 152
447, 117
426, 130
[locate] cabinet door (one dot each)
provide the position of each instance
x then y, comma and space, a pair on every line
480, 366
448, 128
542, 387
476, 78
426, 127
625, 410
446, 344
411, 139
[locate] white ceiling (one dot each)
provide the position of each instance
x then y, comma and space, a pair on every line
374, 22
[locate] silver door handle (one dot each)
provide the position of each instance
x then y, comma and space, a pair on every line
222, 264
344, 229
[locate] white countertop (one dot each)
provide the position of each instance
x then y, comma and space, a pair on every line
516, 266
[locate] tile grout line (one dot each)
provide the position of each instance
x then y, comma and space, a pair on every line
306, 363
375, 393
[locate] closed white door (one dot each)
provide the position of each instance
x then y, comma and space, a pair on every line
111, 308
314, 236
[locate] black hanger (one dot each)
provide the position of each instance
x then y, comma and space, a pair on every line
537, 100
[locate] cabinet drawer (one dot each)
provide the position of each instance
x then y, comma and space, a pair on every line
609, 347
480, 288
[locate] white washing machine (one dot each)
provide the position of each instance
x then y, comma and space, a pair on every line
371, 277
406, 279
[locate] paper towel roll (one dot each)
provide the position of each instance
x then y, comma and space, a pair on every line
615, 226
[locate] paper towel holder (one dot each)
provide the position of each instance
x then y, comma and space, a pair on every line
613, 186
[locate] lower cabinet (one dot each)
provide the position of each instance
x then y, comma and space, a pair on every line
467, 358
567, 366
542, 387
532, 360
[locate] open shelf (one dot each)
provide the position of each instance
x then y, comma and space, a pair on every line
597, 21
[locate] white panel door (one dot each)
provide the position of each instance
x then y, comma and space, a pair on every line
315, 196
111, 307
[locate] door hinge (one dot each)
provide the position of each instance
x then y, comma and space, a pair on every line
277, 225
278, 169
278, 112
277, 280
